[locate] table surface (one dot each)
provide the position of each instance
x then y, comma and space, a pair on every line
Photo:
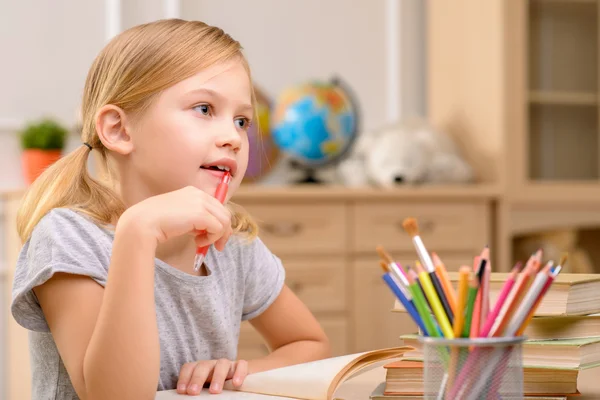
361, 387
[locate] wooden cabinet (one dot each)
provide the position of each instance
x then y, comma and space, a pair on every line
326, 238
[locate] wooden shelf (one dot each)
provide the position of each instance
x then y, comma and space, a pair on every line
248, 192
567, 1
552, 192
563, 98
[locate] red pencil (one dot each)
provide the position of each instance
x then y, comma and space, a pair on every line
508, 285
220, 194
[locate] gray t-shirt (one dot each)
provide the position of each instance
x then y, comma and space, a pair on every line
198, 316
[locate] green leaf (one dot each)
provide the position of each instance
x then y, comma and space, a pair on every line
45, 134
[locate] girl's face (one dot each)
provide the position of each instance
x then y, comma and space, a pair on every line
191, 133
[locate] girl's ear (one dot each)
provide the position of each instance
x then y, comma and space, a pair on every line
112, 131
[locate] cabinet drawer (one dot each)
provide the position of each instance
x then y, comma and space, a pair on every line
452, 260
251, 344
448, 226
319, 283
375, 326
300, 228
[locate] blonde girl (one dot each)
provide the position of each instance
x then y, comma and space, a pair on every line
105, 281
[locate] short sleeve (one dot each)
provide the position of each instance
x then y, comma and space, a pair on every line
63, 241
264, 279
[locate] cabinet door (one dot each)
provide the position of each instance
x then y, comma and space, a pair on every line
375, 326
251, 344
374, 323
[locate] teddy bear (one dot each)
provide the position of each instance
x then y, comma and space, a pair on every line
407, 152
554, 243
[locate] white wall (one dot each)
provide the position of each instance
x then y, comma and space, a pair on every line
376, 46
293, 41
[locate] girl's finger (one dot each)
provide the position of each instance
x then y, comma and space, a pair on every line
220, 211
221, 372
220, 244
241, 371
211, 224
203, 368
185, 374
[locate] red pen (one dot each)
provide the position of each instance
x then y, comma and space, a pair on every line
220, 195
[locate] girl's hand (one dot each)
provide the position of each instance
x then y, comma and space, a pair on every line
192, 376
184, 211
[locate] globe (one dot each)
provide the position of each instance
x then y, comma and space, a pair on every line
315, 124
263, 153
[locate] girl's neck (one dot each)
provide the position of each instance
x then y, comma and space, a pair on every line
179, 253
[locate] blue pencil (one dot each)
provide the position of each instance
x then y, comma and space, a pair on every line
408, 305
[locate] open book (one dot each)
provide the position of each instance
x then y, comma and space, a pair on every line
316, 380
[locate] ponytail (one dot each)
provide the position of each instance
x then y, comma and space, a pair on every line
67, 183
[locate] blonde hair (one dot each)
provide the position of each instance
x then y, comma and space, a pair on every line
129, 72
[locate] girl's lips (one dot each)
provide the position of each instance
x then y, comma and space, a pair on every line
218, 174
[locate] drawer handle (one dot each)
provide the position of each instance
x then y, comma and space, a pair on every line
425, 226
296, 287
283, 229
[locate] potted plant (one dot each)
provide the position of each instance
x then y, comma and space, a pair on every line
42, 142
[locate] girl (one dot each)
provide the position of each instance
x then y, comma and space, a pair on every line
105, 279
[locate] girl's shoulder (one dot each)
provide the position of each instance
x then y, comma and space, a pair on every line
63, 241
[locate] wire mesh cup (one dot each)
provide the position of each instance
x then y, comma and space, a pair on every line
472, 369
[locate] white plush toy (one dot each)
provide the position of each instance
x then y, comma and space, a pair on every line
408, 152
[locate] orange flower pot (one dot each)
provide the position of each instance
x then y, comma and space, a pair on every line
35, 161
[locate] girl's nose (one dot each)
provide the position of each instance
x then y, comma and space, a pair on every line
230, 137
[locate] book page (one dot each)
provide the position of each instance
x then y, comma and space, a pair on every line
224, 395
316, 380
309, 381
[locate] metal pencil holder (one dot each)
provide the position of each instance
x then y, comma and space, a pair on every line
472, 369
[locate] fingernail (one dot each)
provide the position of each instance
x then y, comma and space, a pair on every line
194, 388
216, 387
237, 381
181, 387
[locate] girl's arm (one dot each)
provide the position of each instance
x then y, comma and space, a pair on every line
108, 338
291, 331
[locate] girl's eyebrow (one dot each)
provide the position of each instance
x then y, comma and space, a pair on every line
243, 107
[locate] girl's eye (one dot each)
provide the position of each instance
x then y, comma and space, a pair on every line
242, 123
204, 109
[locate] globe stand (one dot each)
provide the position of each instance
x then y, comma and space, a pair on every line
309, 174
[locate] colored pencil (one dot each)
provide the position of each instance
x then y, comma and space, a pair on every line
519, 292
408, 305
471, 296
435, 302
549, 282
477, 309
485, 287
396, 267
442, 273
463, 289
431, 328
474, 332
411, 227
506, 288
528, 301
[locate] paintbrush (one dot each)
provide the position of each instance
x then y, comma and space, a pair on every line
412, 228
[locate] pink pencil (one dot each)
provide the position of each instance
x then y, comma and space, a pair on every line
508, 285
485, 288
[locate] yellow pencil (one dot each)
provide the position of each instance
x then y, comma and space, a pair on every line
434, 301
463, 288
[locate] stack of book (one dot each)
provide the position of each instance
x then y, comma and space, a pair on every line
563, 338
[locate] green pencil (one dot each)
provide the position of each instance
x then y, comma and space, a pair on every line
421, 304
471, 295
